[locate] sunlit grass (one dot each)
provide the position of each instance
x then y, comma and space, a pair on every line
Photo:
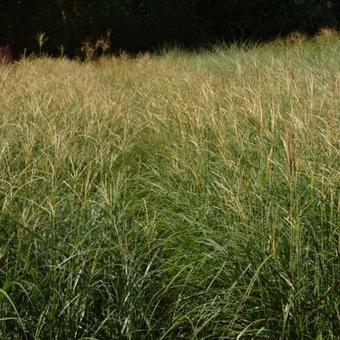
176, 196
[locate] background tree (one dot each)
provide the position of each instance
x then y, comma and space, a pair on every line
147, 24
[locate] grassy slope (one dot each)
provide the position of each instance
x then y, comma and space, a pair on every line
178, 196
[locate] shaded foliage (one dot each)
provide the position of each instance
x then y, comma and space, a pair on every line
137, 25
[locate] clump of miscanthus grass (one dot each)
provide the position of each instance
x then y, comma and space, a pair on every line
176, 196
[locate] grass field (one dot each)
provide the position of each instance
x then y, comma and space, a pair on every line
181, 195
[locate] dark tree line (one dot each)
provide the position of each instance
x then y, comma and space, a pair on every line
136, 25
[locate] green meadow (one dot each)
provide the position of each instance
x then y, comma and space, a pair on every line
178, 195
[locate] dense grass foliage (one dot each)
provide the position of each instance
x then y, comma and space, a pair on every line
176, 196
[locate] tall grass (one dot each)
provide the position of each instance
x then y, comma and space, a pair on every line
180, 196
